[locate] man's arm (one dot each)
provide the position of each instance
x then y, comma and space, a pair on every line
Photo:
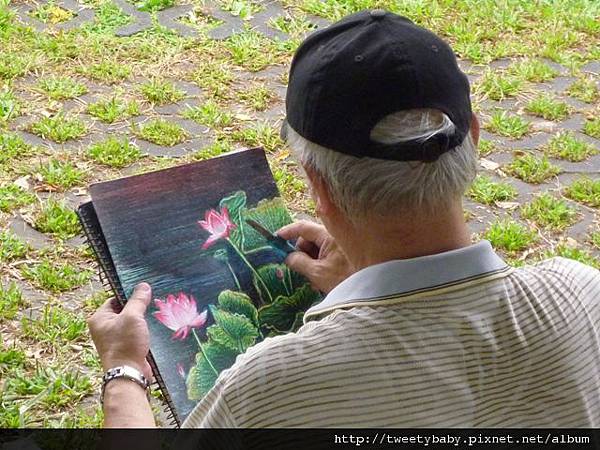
122, 338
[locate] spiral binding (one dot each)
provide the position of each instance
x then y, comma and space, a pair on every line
110, 281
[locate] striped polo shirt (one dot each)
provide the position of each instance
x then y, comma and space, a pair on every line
456, 339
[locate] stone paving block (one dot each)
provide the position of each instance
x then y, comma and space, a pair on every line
561, 83
260, 21
574, 122
169, 18
175, 151
592, 67
529, 142
231, 25
562, 70
590, 166
141, 19
37, 240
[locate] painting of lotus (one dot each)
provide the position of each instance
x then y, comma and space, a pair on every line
219, 286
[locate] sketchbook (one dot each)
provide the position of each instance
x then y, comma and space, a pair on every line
202, 235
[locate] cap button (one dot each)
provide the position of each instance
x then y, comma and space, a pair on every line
378, 13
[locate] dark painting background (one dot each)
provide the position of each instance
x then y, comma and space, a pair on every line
150, 224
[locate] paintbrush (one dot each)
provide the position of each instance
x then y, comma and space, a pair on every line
276, 241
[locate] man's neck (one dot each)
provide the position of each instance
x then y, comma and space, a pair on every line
397, 238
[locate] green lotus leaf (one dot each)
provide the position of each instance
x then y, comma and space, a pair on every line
235, 204
282, 314
277, 280
271, 214
238, 303
233, 330
202, 376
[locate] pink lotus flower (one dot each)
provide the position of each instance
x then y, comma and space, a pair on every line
218, 225
279, 273
179, 314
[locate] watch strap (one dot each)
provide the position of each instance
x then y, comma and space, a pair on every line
126, 372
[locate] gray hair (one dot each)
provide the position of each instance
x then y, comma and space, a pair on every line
364, 187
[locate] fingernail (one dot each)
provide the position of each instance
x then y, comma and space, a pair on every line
143, 287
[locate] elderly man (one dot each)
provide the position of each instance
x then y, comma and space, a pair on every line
419, 326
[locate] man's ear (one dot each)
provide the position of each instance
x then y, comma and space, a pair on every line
475, 128
319, 192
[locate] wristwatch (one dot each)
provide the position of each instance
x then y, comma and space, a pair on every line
127, 372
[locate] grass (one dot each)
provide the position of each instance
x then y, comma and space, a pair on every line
55, 325
585, 190
11, 247
13, 197
10, 358
57, 219
54, 387
289, 184
566, 146
499, 85
11, 302
250, 50
13, 148
533, 70
509, 125
113, 109
547, 107
61, 88
486, 147
532, 169
60, 175
55, 277
161, 92
244, 9
162, 132
595, 239
9, 105
549, 212
584, 89
108, 18
261, 134
217, 148
592, 127
214, 78
13, 66
510, 236
485, 190
210, 114
52, 13
114, 152
257, 98
109, 72
60, 128
574, 253
154, 5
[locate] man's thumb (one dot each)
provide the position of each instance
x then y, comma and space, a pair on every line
139, 300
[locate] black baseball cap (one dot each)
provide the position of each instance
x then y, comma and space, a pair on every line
347, 77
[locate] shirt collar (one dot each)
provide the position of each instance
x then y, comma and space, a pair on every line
407, 276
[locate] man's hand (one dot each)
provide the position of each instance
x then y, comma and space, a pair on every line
122, 338
319, 258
